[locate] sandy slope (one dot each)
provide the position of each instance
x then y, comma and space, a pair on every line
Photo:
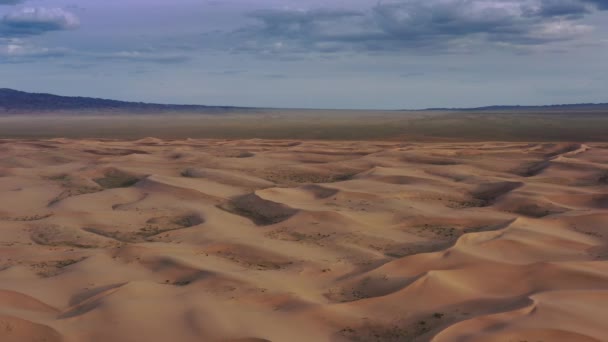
200, 240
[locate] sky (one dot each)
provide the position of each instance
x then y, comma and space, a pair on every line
360, 54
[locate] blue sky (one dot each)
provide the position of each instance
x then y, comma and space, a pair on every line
320, 54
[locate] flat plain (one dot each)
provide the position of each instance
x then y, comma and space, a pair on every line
304, 240
498, 125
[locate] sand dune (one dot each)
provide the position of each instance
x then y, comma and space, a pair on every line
284, 240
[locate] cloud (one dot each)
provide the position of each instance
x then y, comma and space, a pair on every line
142, 56
515, 22
568, 8
281, 32
10, 2
297, 23
36, 21
430, 25
230, 72
16, 51
601, 4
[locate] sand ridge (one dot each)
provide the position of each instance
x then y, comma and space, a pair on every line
286, 240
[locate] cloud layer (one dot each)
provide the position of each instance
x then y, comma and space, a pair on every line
36, 21
431, 24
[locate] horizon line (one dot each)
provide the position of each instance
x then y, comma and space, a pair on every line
473, 108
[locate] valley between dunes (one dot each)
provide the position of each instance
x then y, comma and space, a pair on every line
286, 240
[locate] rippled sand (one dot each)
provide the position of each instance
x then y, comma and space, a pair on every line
255, 240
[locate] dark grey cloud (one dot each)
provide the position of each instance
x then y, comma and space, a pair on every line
439, 25
568, 8
296, 23
433, 19
10, 2
36, 21
510, 22
601, 4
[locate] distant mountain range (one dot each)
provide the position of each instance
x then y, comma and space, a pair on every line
16, 102
576, 106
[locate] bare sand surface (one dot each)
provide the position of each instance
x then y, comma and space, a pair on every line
284, 240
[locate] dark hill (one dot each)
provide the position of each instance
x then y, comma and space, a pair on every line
14, 101
556, 107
